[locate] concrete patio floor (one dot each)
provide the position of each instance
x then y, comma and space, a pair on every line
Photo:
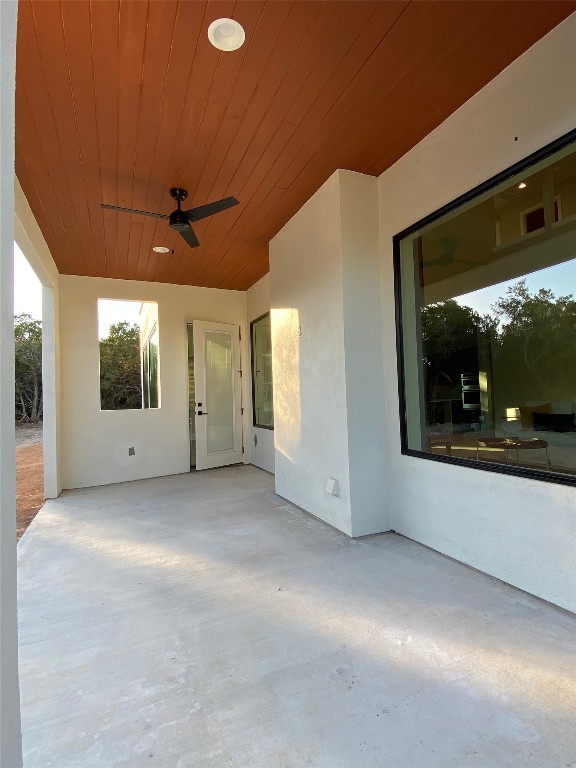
200, 620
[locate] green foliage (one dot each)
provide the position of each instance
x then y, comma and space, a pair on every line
451, 336
529, 341
28, 368
120, 381
536, 343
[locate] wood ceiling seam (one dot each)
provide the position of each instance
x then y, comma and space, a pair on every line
27, 181
442, 112
98, 147
342, 129
215, 189
238, 75
225, 59
247, 209
150, 253
135, 228
104, 25
332, 150
44, 174
327, 73
71, 149
156, 202
81, 254
232, 180
94, 269
365, 51
169, 173
35, 197
250, 178
359, 31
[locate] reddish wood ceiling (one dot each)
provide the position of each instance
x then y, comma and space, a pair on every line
116, 102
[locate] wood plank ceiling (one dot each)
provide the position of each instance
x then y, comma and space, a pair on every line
116, 102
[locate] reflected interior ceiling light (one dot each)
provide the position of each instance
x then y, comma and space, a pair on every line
522, 185
161, 249
226, 34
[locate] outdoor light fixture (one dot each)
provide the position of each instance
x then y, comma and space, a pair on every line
522, 185
161, 249
226, 34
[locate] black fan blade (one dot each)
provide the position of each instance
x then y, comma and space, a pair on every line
195, 214
190, 237
132, 210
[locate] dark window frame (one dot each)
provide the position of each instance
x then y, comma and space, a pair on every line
252, 323
504, 469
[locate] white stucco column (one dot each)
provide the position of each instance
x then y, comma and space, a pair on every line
31, 242
10, 736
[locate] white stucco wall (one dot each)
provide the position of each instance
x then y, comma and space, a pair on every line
327, 355
10, 738
95, 443
310, 423
521, 531
33, 245
362, 303
261, 442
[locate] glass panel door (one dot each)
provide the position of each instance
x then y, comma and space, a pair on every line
218, 417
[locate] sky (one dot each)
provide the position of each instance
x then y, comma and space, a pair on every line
111, 311
560, 279
27, 287
28, 298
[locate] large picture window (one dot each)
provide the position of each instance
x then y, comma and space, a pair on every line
486, 314
262, 396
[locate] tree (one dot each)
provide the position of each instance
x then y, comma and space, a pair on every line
28, 368
120, 380
451, 336
536, 344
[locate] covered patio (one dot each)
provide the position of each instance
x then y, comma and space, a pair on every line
201, 620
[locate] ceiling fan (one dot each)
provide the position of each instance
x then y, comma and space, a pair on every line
179, 220
450, 244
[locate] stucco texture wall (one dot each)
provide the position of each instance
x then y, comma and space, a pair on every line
327, 356
95, 443
521, 531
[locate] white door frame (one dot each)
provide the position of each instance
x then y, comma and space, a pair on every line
206, 457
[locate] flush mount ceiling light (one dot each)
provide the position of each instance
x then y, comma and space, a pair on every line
522, 185
226, 34
161, 249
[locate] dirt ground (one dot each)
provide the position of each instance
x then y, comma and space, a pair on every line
29, 475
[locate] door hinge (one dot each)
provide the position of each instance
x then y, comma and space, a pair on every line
242, 449
240, 372
242, 411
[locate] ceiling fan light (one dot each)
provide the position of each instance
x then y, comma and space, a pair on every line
161, 249
226, 34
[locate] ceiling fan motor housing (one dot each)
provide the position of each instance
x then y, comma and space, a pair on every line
179, 221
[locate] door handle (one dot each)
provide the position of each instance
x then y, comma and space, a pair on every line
202, 413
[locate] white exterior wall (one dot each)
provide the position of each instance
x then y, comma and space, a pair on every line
327, 356
310, 422
94, 442
361, 271
33, 245
521, 531
10, 737
261, 442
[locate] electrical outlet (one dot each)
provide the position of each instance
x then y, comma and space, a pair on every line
131, 451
